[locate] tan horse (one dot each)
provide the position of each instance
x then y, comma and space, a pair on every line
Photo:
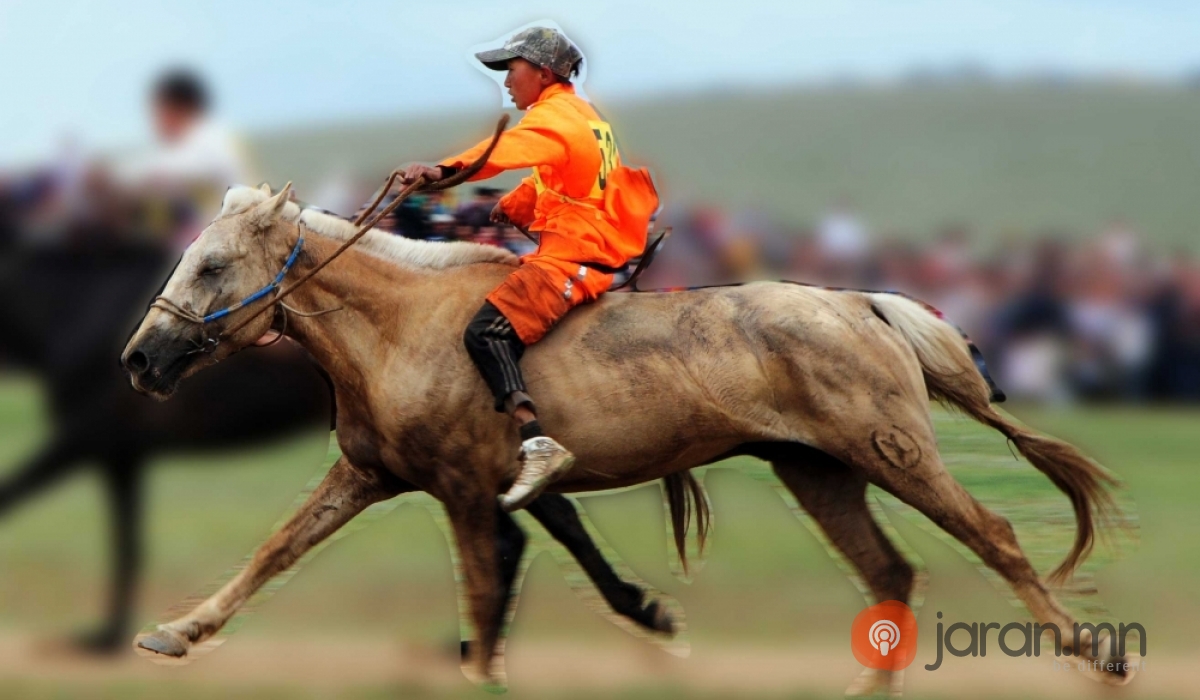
831, 387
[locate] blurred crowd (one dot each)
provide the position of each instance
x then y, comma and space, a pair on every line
1058, 317
449, 216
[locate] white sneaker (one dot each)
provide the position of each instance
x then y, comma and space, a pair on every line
543, 461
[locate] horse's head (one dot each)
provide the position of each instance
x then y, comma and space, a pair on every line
238, 254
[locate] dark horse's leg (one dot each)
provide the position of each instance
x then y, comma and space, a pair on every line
123, 479
51, 463
559, 516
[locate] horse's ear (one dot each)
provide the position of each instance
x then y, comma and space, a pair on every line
265, 188
266, 213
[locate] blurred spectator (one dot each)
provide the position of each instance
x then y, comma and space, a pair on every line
442, 225
412, 221
195, 160
518, 243
477, 212
842, 239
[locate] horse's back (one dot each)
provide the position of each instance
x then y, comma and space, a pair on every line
683, 376
699, 323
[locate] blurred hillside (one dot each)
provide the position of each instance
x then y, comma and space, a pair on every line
1003, 159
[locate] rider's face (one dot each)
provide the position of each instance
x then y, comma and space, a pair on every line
171, 122
526, 81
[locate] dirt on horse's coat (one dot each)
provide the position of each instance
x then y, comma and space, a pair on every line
831, 387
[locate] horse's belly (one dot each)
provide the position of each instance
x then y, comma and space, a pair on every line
610, 469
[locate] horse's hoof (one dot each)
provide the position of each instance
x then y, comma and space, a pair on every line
660, 618
494, 687
164, 643
1122, 671
490, 682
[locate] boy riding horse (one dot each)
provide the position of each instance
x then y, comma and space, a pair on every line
590, 211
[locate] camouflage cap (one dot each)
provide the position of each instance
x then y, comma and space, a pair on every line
541, 46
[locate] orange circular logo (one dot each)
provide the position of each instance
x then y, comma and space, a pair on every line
884, 636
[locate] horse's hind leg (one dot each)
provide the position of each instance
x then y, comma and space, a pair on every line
559, 516
905, 462
835, 496
344, 493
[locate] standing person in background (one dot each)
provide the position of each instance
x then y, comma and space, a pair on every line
195, 160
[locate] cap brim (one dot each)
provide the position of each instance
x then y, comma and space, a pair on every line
496, 59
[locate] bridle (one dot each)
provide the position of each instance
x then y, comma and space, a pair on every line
210, 342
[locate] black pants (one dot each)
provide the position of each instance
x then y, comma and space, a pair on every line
496, 349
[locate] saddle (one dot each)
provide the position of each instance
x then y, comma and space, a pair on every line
643, 262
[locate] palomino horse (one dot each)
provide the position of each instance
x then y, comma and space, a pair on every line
831, 387
98, 422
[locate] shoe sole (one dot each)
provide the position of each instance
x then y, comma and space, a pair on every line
538, 486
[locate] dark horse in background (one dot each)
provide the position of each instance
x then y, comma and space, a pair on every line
65, 313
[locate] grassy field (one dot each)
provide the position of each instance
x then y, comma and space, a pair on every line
766, 585
1005, 159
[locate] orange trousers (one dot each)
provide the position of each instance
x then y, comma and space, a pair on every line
542, 290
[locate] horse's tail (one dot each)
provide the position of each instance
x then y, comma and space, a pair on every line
685, 494
952, 377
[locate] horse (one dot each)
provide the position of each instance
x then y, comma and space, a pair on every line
830, 387
66, 315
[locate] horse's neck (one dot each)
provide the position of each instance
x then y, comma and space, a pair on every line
357, 286
384, 308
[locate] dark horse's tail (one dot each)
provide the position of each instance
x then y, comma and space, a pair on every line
952, 377
685, 494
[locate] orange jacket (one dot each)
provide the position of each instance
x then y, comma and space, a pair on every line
586, 205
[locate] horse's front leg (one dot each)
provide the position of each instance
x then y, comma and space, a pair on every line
473, 517
344, 493
51, 464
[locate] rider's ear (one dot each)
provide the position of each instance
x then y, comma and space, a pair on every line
266, 213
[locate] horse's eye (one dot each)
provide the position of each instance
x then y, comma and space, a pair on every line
212, 271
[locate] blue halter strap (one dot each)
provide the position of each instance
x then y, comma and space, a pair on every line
265, 290
210, 342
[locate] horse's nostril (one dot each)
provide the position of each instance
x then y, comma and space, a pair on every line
137, 361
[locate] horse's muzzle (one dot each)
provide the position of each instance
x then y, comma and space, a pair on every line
153, 368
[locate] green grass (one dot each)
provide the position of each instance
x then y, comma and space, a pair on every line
766, 578
1008, 160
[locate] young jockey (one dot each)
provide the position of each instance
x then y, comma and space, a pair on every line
590, 211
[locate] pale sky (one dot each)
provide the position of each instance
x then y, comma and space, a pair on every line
83, 66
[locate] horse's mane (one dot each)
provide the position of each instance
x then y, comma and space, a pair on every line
380, 244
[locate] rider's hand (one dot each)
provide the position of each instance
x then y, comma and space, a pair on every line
412, 173
498, 216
